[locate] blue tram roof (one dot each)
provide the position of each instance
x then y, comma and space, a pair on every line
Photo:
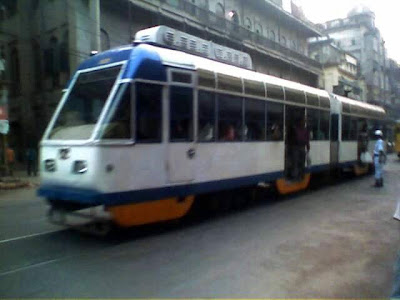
143, 62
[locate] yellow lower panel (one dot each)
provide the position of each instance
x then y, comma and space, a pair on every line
361, 170
287, 187
150, 212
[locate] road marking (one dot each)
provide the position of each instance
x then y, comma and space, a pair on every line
31, 266
27, 236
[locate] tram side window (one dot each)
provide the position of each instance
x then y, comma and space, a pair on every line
324, 125
346, 123
148, 113
206, 113
313, 124
274, 122
118, 126
229, 118
254, 129
181, 114
353, 129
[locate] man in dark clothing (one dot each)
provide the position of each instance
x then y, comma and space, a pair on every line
301, 144
31, 160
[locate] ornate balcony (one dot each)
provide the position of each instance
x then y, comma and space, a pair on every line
192, 14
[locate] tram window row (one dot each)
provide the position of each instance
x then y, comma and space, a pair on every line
353, 126
221, 117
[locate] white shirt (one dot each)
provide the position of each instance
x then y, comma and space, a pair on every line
378, 146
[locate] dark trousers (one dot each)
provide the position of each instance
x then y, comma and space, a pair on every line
299, 158
31, 168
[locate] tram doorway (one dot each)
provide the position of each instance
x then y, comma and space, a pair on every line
181, 152
294, 157
334, 149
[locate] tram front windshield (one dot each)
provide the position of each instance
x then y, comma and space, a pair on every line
82, 108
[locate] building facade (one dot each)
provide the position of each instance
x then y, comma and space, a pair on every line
43, 42
340, 69
394, 82
358, 35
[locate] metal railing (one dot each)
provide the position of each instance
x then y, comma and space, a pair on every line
238, 32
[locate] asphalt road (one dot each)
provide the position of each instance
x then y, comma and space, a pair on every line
338, 241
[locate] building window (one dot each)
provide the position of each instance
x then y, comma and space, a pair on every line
219, 10
37, 64
52, 66
258, 28
8, 8
247, 24
64, 54
15, 74
34, 4
283, 41
272, 35
293, 45
174, 3
203, 4
105, 40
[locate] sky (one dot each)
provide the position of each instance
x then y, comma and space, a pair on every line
386, 13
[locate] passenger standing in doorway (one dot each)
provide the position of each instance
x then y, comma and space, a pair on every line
301, 145
31, 161
379, 159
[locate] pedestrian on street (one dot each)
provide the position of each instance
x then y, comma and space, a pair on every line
10, 160
396, 283
379, 159
31, 161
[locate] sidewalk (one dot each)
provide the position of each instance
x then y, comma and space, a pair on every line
20, 179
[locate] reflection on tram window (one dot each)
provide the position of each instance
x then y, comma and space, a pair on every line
84, 104
148, 113
206, 112
255, 120
181, 114
274, 121
353, 129
118, 125
230, 122
324, 124
345, 128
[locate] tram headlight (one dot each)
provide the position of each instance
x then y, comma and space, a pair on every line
80, 166
50, 165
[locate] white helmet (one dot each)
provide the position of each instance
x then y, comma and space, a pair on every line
378, 132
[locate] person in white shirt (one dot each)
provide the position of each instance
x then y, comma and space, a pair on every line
379, 159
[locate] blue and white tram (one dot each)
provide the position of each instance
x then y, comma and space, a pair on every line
141, 130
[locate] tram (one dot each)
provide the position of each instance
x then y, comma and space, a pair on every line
397, 138
143, 130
